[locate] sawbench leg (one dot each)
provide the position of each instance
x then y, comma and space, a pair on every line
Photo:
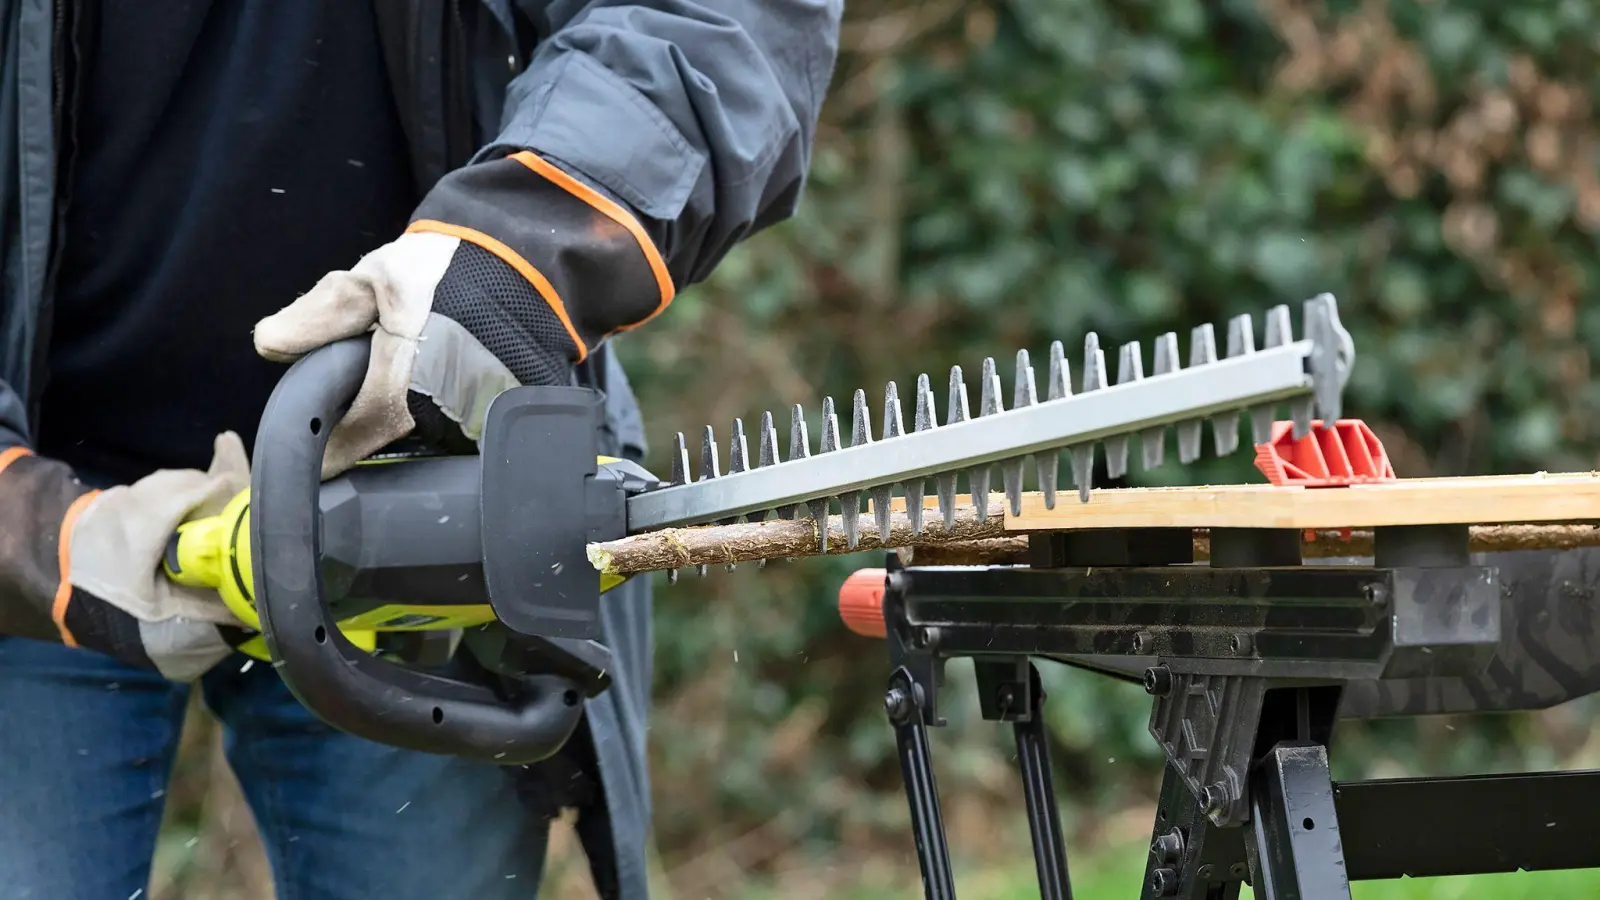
1039, 793
1293, 839
904, 704
1190, 858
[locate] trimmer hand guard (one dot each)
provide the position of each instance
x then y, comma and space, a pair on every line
542, 655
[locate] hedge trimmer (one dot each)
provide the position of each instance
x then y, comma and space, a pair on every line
496, 545
1202, 594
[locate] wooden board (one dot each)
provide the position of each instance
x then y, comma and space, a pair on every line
1499, 499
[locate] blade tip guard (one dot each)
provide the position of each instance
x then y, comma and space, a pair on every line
861, 602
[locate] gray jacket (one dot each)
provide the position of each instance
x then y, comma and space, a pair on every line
699, 114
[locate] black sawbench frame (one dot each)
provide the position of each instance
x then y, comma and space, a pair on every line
1251, 657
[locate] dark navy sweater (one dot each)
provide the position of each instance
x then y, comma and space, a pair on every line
229, 153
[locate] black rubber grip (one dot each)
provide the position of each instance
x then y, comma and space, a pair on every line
341, 684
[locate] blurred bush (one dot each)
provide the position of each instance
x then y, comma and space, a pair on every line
992, 176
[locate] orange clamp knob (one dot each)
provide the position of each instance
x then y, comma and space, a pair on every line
861, 602
1348, 453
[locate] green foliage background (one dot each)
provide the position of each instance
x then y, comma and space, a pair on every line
995, 175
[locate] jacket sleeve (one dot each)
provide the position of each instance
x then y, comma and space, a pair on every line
13, 419
641, 143
18, 617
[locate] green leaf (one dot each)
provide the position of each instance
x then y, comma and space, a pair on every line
1150, 296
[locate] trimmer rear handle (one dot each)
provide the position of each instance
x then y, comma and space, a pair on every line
350, 689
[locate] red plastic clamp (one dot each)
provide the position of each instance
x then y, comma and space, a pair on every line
1349, 453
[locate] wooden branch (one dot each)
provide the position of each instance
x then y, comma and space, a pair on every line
1532, 504
970, 543
1013, 550
711, 545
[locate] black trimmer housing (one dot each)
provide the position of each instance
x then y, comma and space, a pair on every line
495, 529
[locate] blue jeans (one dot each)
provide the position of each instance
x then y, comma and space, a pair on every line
87, 745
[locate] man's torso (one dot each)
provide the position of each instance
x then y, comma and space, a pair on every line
225, 156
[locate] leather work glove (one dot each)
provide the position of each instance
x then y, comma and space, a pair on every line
81, 567
510, 273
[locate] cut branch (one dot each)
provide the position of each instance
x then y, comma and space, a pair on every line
970, 542
1013, 551
711, 545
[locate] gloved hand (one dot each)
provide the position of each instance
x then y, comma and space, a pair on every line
82, 567
420, 359
510, 273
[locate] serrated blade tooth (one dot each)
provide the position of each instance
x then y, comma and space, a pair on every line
1130, 368
979, 477
738, 449
1202, 352
850, 514
893, 422
1300, 408
1094, 378
1023, 394
818, 511
1153, 441
1094, 364
767, 455
1224, 426
1011, 472
710, 467
927, 416
830, 427
1060, 373
680, 460
799, 440
1082, 469
925, 419
738, 456
1058, 385
850, 501
1166, 355
1241, 336
957, 413
799, 448
1049, 467
1280, 330
1300, 415
989, 394
1242, 342
738, 461
860, 420
1261, 424
892, 428
818, 508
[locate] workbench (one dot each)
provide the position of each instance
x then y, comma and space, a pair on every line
1252, 654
